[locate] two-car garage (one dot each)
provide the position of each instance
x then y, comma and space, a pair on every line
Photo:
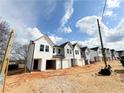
39, 64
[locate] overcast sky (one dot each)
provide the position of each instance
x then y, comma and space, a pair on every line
66, 20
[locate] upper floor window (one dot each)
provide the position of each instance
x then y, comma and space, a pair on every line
76, 52
41, 47
59, 51
68, 51
53, 50
47, 49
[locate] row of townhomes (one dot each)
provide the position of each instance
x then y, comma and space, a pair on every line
43, 54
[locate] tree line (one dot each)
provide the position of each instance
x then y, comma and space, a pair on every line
18, 52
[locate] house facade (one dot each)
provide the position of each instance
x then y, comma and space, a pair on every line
120, 53
85, 53
43, 54
114, 54
108, 54
78, 60
68, 54
97, 54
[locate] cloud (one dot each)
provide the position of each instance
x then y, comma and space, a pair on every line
28, 34
55, 38
108, 13
112, 37
88, 25
111, 5
23, 15
64, 27
34, 33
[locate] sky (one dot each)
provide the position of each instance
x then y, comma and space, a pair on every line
66, 20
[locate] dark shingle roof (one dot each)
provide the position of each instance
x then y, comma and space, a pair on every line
94, 48
74, 45
83, 48
62, 45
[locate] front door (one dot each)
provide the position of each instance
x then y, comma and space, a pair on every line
35, 67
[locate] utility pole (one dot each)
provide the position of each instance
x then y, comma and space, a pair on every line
103, 50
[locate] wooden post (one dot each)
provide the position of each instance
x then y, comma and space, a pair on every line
4, 68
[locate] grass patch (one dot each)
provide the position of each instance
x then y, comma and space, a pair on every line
119, 71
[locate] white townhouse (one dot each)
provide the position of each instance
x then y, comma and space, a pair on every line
120, 53
98, 54
108, 54
93, 55
43, 54
113, 54
78, 60
40, 55
68, 54
85, 53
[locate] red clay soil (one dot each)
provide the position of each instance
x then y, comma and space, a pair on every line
17, 80
50, 73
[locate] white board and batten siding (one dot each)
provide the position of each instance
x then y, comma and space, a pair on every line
77, 56
68, 53
43, 55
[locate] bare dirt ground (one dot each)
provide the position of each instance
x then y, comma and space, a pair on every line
72, 80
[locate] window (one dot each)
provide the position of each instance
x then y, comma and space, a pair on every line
47, 49
41, 47
53, 50
59, 50
76, 52
68, 51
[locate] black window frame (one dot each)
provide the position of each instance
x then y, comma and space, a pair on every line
42, 48
47, 48
53, 50
70, 51
59, 51
67, 51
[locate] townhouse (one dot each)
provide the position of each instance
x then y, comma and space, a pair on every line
108, 54
85, 53
114, 54
43, 54
120, 53
97, 54
78, 59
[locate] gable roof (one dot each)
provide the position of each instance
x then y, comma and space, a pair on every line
75, 45
57, 46
46, 37
64, 44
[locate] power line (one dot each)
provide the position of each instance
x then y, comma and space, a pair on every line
103, 9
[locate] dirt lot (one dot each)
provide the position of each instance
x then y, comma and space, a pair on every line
72, 80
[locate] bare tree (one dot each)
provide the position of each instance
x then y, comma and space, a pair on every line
19, 52
4, 32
